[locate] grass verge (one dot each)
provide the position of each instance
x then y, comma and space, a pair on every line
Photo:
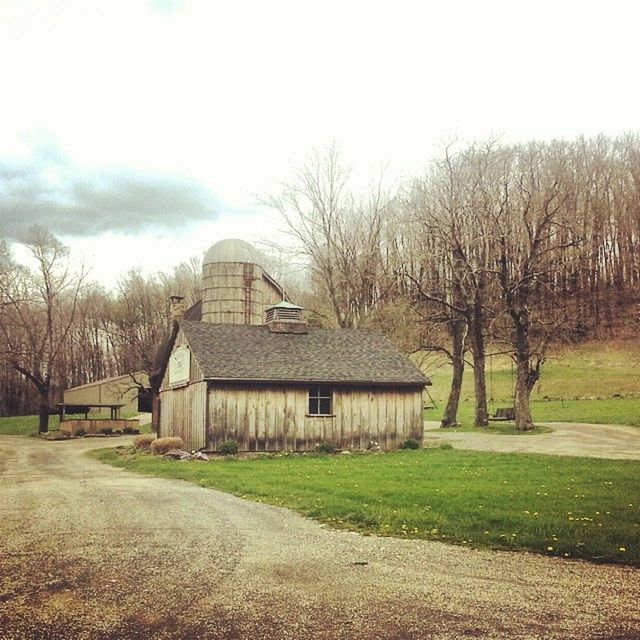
568, 507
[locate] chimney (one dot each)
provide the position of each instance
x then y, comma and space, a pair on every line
176, 307
285, 317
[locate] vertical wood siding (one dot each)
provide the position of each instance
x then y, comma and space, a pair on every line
269, 418
183, 410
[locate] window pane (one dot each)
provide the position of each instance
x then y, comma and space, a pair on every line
324, 392
313, 405
325, 406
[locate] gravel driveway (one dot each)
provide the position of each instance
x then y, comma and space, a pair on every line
566, 439
90, 551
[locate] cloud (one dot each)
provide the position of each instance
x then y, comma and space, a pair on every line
46, 189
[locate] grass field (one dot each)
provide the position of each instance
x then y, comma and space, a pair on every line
27, 425
592, 382
568, 507
604, 411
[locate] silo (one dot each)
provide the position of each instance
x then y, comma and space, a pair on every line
232, 284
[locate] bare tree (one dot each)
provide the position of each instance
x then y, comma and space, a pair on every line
451, 208
37, 313
340, 235
532, 233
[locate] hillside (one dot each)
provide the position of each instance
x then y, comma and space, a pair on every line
591, 382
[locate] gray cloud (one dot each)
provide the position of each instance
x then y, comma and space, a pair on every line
49, 191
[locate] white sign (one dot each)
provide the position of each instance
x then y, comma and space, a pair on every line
179, 366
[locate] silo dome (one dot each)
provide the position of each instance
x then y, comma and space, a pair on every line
232, 250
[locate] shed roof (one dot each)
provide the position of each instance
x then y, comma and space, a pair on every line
252, 353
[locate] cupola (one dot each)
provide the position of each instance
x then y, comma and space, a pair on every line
285, 317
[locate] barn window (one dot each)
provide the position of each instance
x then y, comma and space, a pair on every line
320, 401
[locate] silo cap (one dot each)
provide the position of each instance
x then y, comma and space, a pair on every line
233, 250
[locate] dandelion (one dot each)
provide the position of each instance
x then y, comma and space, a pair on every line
622, 549
549, 548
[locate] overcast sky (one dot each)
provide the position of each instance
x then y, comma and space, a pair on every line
147, 128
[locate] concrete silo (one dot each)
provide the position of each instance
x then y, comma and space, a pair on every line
235, 287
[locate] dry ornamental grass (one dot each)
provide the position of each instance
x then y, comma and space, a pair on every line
160, 446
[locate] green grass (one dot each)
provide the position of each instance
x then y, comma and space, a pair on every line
27, 425
577, 384
569, 507
24, 425
603, 411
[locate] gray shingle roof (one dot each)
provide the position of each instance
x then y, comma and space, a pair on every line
253, 353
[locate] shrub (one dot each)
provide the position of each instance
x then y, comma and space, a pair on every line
229, 447
410, 443
106, 430
325, 447
79, 432
144, 441
160, 446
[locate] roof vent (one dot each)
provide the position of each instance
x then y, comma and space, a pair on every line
285, 317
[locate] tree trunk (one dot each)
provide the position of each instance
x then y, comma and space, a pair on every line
43, 413
524, 380
479, 365
458, 331
524, 421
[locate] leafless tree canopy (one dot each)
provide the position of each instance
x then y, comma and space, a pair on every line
496, 246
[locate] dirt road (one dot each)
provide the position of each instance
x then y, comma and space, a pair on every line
89, 551
565, 439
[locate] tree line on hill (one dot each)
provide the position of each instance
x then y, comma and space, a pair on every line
513, 246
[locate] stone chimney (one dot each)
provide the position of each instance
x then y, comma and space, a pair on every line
177, 307
285, 317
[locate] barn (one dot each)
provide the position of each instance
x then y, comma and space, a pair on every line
127, 390
244, 365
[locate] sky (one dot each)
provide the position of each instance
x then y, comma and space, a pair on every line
140, 132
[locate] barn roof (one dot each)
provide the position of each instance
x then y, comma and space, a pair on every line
253, 353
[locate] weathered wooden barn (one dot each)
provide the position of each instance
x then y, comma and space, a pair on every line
245, 366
